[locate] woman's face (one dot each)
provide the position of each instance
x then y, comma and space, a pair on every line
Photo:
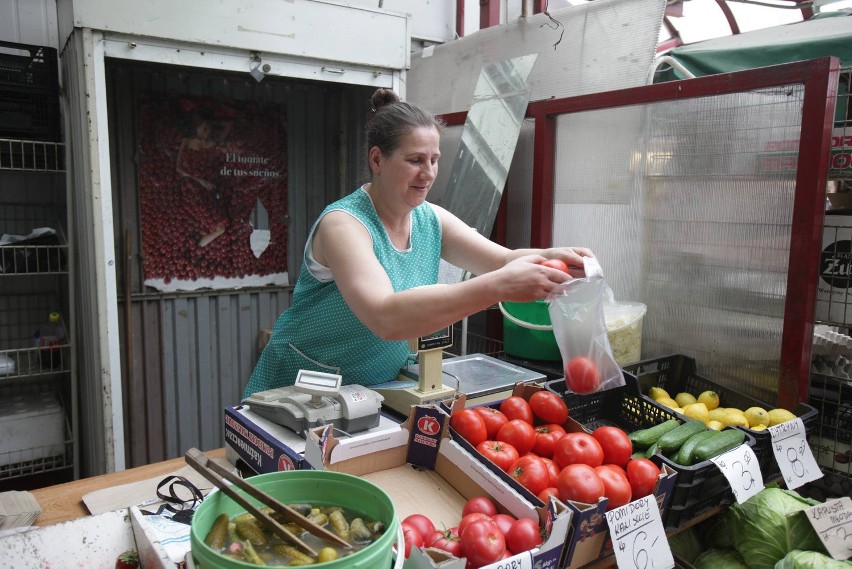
410, 169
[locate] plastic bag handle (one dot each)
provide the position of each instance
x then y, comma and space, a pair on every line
521, 323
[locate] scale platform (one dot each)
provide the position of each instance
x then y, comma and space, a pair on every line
480, 377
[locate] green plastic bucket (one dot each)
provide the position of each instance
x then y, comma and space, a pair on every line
527, 332
320, 486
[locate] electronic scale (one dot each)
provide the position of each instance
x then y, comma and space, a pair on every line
318, 399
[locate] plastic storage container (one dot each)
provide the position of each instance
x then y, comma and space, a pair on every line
677, 373
31, 428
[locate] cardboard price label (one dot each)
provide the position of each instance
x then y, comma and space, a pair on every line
793, 453
833, 523
742, 471
521, 561
638, 537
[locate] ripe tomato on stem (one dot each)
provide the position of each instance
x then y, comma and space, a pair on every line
531, 472
413, 538
515, 407
473, 517
500, 453
479, 504
519, 434
642, 475
616, 486
549, 407
448, 540
582, 375
546, 437
580, 483
421, 523
504, 522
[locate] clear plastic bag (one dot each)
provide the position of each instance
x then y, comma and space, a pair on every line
577, 314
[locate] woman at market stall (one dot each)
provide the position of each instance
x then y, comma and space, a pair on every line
369, 278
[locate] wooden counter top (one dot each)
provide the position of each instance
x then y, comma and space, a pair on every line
64, 502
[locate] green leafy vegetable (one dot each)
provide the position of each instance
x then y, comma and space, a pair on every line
769, 525
798, 559
720, 559
715, 531
686, 544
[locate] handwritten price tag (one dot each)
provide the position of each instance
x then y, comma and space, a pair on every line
793, 454
741, 469
638, 537
520, 561
833, 523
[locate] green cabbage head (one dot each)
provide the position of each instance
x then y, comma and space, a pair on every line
769, 525
719, 559
798, 559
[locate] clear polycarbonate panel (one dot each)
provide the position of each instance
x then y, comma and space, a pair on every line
688, 205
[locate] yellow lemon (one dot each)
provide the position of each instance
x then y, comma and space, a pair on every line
778, 416
683, 399
715, 425
717, 413
735, 420
697, 411
668, 402
756, 416
758, 428
677, 410
657, 393
709, 398
729, 410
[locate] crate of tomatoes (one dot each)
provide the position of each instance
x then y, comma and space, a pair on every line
669, 440
530, 440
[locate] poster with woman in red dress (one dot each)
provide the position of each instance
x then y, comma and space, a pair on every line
213, 193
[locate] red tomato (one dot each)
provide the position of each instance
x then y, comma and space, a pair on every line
469, 424
504, 522
616, 486
412, 538
552, 469
549, 407
482, 543
494, 419
545, 439
555, 264
470, 518
524, 535
642, 475
531, 473
421, 523
582, 375
580, 483
500, 453
545, 494
448, 540
616, 445
578, 448
479, 504
515, 407
519, 434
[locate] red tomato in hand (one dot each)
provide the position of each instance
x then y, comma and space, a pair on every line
580, 483
482, 543
412, 538
549, 407
494, 419
578, 448
421, 523
531, 473
479, 504
504, 522
515, 407
616, 486
582, 375
546, 437
554, 264
642, 475
448, 540
469, 424
616, 445
500, 453
524, 535
519, 434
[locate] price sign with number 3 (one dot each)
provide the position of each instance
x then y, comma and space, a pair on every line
741, 469
793, 454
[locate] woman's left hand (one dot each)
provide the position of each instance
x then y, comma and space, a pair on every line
571, 256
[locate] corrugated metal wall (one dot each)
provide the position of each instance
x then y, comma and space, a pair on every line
190, 354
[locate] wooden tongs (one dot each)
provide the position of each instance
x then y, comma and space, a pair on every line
218, 475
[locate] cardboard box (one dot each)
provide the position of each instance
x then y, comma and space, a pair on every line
149, 536
431, 474
588, 537
834, 303
266, 447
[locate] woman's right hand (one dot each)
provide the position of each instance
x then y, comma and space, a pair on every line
524, 279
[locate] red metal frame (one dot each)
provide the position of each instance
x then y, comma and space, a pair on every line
489, 13
819, 78
460, 18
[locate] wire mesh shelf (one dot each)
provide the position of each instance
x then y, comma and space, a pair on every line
831, 439
32, 155
31, 241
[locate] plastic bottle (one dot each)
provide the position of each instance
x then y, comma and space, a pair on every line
51, 338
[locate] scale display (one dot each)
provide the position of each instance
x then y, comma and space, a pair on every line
437, 340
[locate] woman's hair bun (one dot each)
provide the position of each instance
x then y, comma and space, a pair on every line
383, 97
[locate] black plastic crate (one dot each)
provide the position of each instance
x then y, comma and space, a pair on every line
29, 92
698, 488
677, 373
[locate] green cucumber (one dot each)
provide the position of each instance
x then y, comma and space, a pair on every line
644, 438
652, 450
722, 441
684, 455
674, 439
638, 454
